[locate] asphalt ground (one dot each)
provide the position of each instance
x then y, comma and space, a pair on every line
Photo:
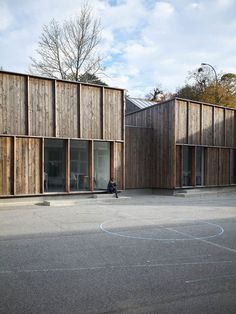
141, 254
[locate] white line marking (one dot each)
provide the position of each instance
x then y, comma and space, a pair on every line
108, 267
219, 245
189, 237
210, 278
205, 241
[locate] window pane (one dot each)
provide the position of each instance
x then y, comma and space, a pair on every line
54, 165
79, 173
187, 166
200, 166
234, 166
101, 165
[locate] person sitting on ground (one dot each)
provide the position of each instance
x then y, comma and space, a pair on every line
112, 187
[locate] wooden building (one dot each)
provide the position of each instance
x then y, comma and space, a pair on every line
181, 143
59, 136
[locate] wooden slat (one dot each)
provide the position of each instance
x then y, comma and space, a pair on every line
28, 166
194, 123
79, 110
201, 124
27, 109
187, 124
6, 165
91, 112
102, 113
213, 125
67, 110
55, 106
14, 166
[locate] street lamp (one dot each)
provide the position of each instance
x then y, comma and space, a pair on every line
216, 81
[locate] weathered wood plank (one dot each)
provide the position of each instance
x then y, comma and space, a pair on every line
90, 110
6, 165
41, 111
28, 166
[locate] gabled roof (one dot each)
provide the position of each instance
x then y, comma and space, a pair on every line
141, 103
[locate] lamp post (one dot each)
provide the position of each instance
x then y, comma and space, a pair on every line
216, 81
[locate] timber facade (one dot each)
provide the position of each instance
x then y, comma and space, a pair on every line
181, 143
59, 136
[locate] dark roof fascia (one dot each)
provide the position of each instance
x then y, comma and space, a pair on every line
59, 80
205, 103
183, 99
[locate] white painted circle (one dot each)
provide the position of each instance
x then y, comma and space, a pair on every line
216, 229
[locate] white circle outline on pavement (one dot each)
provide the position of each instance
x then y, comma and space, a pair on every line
190, 237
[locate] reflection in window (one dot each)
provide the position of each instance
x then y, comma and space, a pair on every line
199, 166
79, 173
101, 165
54, 165
187, 166
234, 166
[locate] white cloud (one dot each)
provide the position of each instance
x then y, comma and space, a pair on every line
163, 10
225, 4
197, 6
143, 42
6, 17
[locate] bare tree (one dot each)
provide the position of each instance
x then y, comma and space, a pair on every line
69, 50
158, 95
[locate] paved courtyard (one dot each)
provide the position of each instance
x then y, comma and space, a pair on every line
136, 254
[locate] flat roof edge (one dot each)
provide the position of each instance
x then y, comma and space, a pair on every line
183, 99
59, 80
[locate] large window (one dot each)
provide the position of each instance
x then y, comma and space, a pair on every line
187, 166
199, 165
101, 165
79, 174
54, 165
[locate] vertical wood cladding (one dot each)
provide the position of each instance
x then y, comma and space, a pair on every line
159, 170
138, 157
219, 132
113, 114
33, 108
207, 125
194, 126
37, 106
67, 109
224, 166
91, 112
41, 107
13, 104
179, 166
230, 128
28, 165
181, 122
212, 166
118, 164
204, 124
6, 165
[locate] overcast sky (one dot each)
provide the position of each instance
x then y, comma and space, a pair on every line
145, 42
